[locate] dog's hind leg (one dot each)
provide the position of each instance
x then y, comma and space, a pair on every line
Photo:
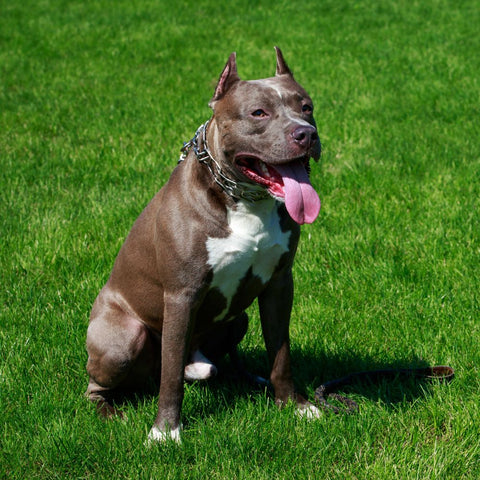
224, 341
224, 338
220, 341
199, 368
122, 355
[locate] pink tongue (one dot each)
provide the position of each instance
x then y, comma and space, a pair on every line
301, 199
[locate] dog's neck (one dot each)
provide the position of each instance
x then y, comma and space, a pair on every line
236, 189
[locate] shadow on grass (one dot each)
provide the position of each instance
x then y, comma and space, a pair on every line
389, 383
397, 386
223, 391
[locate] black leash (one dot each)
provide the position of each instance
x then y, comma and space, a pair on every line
327, 390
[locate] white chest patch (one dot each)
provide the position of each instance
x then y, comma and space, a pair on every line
256, 241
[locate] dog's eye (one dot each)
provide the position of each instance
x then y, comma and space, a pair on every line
306, 108
259, 113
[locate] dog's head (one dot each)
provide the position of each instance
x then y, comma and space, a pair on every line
268, 135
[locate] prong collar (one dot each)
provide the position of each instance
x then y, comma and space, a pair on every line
235, 189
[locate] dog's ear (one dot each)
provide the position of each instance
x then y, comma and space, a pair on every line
228, 77
282, 67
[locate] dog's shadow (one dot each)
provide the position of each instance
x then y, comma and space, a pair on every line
309, 370
368, 380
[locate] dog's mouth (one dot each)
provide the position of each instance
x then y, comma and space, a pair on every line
287, 181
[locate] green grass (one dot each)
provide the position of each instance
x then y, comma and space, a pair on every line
96, 99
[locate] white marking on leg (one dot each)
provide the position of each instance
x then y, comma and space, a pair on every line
201, 368
160, 436
309, 412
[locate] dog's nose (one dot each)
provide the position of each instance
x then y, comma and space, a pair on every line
305, 135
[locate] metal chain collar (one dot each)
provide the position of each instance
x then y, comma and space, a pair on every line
237, 190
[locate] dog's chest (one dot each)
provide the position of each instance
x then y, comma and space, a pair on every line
255, 245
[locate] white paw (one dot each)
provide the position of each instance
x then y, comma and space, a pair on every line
309, 412
160, 436
201, 368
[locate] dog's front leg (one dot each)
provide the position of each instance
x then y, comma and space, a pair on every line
176, 334
275, 304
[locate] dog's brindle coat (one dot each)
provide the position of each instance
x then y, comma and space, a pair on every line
198, 256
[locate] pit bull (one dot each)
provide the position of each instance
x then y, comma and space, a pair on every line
221, 232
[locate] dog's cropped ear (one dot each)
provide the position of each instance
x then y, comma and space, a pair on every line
228, 77
282, 67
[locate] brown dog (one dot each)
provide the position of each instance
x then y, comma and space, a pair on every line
222, 232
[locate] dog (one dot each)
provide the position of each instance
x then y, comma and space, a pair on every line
221, 232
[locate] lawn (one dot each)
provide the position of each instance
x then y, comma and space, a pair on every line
96, 100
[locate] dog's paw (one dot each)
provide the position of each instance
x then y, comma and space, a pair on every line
159, 436
308, 411
201, 368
